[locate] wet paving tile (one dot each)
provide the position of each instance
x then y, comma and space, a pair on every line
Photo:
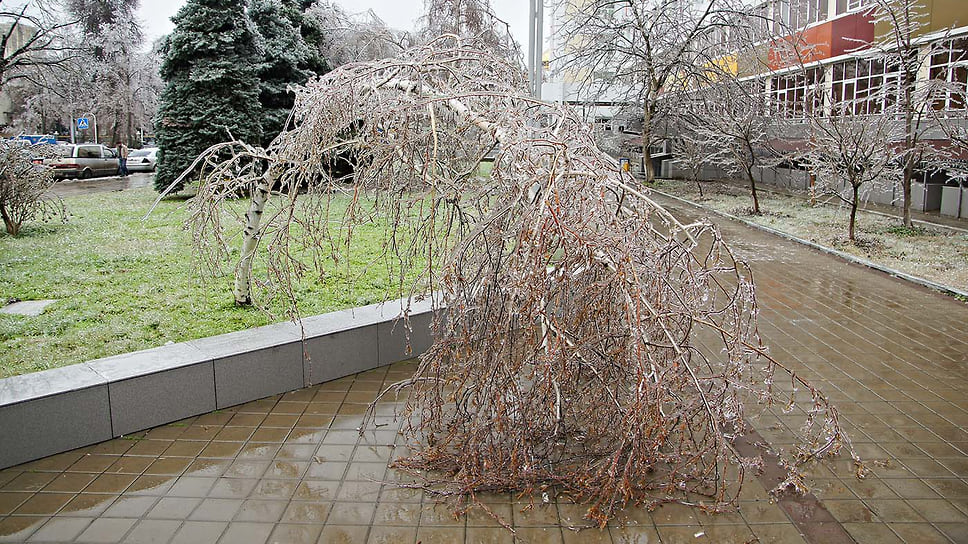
104, 530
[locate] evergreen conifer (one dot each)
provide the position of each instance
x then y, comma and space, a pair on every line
289, 59
211, 74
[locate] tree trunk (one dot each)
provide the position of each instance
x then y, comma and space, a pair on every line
250, 241
756, 200
853, 214
13, 227
646, 140
909, 143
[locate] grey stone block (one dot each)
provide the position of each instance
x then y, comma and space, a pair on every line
259, 373
398, 344
29, 308
345, 320
155, 399
47, 383
52, 424
149, 361
234, 343
343, 353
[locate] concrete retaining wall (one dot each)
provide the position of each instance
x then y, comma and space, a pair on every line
787, 178
65, 408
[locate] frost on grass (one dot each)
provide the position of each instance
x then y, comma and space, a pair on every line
593, 346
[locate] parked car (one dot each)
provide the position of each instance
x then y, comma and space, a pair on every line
143, 160
83, 161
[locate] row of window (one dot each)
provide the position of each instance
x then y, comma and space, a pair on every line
869, 86
782, 16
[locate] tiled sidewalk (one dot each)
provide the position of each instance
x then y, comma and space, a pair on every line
293, 469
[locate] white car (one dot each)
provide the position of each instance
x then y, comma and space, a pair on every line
143, 160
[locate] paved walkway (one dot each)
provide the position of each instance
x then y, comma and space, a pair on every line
292, 468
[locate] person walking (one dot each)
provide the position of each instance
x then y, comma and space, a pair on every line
122, 159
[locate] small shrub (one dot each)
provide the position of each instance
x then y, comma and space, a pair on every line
901, 231
23, 187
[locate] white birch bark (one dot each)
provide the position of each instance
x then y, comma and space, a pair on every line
250, 240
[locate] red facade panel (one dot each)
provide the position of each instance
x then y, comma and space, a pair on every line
854, 32
847, 34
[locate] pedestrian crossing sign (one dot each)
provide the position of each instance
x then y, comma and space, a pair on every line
83, 123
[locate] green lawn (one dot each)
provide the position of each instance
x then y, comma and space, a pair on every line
124, 284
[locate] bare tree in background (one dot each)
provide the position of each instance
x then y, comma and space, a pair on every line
355, 38
593, 345
693, 154
634, 50
32, 40
736, 126
471, 20
901, 50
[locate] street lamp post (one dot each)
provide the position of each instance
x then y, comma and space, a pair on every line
536, 45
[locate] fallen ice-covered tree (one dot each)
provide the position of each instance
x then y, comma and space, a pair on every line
593, 345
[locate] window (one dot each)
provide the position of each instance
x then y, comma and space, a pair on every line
864, 86
797, 95
857, 4
949, 75
89, 152
793, 15
843, 6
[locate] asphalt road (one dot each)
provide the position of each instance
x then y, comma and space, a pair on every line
74, 187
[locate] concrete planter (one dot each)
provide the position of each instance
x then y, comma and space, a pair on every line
65, 408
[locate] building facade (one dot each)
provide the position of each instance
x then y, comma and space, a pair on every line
840, 57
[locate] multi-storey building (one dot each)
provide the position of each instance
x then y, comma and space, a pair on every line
822, 55
816, 56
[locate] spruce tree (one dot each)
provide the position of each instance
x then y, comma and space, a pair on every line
211, 75
288, 60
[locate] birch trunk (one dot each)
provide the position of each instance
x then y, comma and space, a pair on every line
250, 240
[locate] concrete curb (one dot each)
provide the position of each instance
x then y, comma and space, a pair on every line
56, 410
846, 256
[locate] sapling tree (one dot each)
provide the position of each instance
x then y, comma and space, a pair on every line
851, 155
594, 345
24, 186
692, 154
901, 24
734, 123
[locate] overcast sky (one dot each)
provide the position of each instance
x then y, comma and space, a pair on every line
399, 14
